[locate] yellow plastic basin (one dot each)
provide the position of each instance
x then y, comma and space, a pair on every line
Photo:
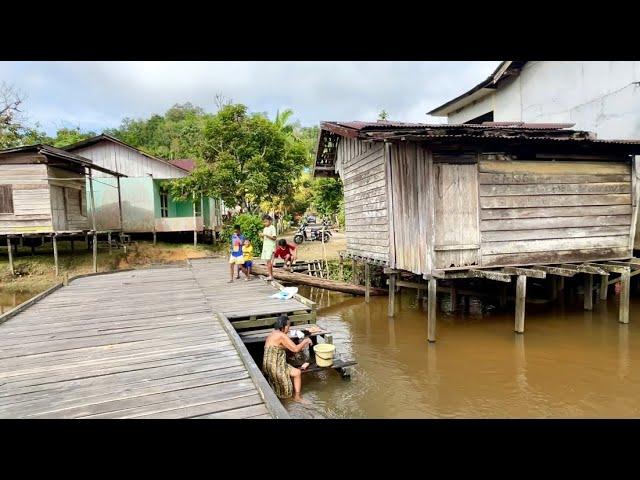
324, 354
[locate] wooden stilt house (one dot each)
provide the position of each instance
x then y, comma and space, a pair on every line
445, 201
43, 193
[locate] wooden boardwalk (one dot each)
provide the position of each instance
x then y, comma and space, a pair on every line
136, 344
245, 304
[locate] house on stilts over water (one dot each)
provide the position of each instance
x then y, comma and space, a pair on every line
495, 200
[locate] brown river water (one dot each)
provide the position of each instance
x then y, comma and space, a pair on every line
570, 363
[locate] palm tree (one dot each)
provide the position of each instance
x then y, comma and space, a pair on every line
281, 121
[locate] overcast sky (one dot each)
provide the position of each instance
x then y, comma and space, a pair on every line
98, 95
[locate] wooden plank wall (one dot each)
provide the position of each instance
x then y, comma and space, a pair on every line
31, 199
127, 161
409, 188
455, 194
365, 187
553, 211
75, 219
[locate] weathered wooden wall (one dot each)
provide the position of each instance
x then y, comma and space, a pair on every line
72, 195
31, 199
410, 215
554, 211
365, 192
127, 161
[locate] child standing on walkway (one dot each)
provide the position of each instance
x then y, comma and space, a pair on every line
268, 236
247, 250
236, 259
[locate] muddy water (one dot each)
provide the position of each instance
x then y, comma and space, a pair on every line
10, 300
570, 363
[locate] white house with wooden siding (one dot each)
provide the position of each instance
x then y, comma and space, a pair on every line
147, 205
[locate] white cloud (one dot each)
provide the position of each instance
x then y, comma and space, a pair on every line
98, 95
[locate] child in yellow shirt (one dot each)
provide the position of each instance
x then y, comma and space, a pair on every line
247, 251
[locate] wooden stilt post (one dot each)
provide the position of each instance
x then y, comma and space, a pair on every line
561, 284
588, 291
454, 299
625, 284
109, 241
503, 295
195, 226
354, 271
604, 286
93, 221
55, 253
431, 310
95, 252
553, 287
10, 256
154, 236
367, 282
120, 206
521, 295
86, 240
391, 309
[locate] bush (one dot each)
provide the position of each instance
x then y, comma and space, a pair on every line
250, 225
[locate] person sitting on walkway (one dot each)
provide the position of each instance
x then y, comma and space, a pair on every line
236, 258
268, 236
287, 252
285, 380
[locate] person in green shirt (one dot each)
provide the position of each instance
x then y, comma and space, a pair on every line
268, 236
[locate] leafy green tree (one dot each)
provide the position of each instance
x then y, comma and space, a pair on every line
250, 226
247, 159
327, 196
67, 136
383, 115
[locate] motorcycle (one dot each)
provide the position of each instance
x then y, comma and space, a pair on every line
307, 233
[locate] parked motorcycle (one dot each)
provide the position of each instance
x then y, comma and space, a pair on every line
305, 232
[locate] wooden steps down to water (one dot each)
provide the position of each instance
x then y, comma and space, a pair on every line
139, 344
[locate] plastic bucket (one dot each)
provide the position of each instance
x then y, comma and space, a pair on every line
324, 354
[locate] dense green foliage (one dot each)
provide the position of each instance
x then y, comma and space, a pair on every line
327, 196
179, 133
250, 225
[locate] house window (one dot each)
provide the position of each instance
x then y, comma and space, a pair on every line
6, 199
164, 204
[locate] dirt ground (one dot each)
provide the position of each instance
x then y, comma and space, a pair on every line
314, 250
35, 273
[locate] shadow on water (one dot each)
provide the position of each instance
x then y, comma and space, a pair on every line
570, 363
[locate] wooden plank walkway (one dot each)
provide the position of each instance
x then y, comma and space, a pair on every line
137, 344
240, 299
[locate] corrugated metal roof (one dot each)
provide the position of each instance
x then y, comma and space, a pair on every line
184, 163
390, 125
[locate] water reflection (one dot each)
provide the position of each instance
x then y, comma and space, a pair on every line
569, 363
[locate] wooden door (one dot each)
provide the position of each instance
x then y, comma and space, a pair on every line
457, 239
58, 208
